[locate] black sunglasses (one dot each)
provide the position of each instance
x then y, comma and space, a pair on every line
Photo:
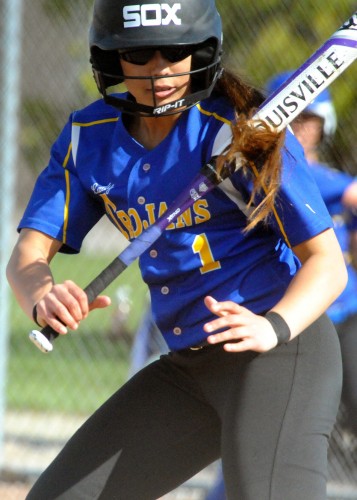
143, 56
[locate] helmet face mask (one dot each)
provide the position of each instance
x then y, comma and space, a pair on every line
118, 26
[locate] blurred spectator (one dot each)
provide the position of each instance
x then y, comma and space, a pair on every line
314, 128
148, 343
120, 330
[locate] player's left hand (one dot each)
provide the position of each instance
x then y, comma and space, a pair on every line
242, 329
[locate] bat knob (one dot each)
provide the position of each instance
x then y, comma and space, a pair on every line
40, 341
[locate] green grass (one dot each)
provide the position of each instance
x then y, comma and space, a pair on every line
76, 377
85, 366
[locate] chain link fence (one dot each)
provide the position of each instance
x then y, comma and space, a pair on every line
46, 397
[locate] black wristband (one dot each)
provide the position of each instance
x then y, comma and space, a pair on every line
281, 328
34, 315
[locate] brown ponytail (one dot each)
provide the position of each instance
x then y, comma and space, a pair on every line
258, 143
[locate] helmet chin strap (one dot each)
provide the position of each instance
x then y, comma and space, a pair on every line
177, 106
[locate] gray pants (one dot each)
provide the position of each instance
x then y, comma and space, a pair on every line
269, 417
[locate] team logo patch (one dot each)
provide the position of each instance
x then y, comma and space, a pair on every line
98, 189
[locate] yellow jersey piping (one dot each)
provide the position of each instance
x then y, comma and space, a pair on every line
209, 113
96, 122
68, 194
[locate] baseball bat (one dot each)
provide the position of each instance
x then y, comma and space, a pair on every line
278, 110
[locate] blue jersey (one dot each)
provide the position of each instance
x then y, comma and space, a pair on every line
332, 184
97, 168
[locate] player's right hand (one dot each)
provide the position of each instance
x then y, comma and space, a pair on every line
65, 306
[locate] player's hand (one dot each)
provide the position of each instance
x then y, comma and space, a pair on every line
66, 305
240, 329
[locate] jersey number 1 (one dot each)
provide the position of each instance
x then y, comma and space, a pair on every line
201, 246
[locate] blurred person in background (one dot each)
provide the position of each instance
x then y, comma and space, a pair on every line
145, 342
148, 343
315, 128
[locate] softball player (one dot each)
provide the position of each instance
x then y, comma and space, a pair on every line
239, 283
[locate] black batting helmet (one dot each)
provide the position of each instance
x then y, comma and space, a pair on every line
120, 24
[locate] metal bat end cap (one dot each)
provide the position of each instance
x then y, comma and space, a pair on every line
40, 341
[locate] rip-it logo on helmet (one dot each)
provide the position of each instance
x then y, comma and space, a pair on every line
152, 14
167, 107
